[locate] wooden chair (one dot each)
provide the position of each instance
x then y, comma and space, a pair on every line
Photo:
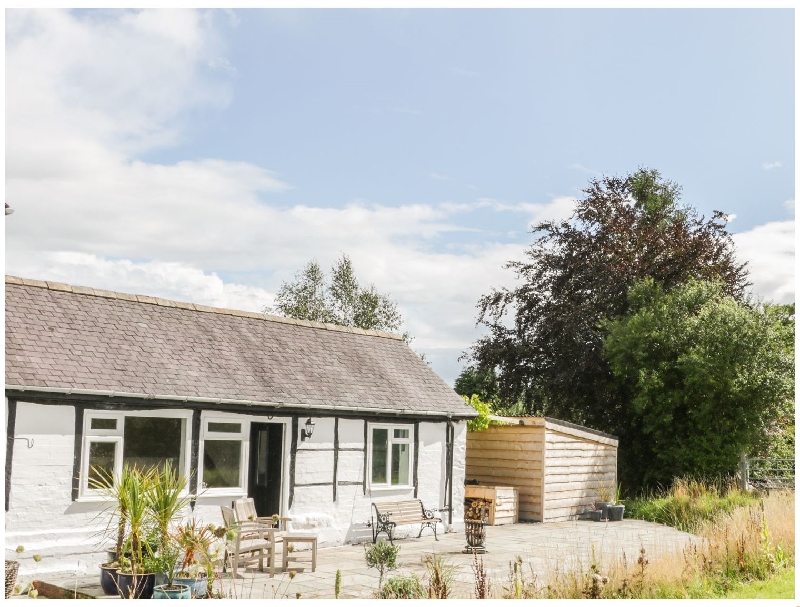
253, 543
245, 509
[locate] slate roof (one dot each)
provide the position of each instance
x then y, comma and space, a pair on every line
62, 336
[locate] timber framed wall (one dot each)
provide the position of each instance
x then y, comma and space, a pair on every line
557, 467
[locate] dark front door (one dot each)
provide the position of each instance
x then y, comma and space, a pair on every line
266, 462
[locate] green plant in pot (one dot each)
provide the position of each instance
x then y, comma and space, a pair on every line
617, 511
167, 562
197, 541
136, 576
604, 492
115, 490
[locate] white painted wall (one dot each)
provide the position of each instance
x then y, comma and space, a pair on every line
43, 518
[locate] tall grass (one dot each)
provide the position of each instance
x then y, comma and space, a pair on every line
750, 542
688, 504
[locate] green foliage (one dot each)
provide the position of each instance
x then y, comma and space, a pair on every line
688, 504
383, 557
475, 381
482, 421
166, 499
337, 584
706, 377
544, 338
341, 301
401, 587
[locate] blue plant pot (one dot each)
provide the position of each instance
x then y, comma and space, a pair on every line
197, 585
108, 579
139, 586
176, 591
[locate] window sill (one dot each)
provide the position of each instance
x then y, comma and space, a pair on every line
382, 488
222, 492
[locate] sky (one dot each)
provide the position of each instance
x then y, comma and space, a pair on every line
207, 156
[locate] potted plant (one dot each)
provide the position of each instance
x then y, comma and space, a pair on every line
617, 511
603, 492
197, 541
116, 491
136, 576
167, 560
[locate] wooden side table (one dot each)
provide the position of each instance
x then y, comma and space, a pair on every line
294, 537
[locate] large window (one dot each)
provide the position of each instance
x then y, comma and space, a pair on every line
143, 439
390, 455
223, 458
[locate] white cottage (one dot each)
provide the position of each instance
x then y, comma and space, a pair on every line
313, 421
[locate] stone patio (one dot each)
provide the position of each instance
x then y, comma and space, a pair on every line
546, 547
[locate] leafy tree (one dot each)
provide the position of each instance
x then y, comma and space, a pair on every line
544, 338
342, 301
473, 380
706, 375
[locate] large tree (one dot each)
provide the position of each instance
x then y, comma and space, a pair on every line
707, 379
340, 300
544, 337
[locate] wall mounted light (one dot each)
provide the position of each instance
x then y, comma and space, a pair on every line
308, 430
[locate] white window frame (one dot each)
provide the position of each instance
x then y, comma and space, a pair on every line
243, 436
391, 441
117, 436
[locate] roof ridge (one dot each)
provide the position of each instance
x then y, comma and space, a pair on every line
168, 303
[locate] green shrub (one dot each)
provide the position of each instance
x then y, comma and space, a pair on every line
383, 557
402, 587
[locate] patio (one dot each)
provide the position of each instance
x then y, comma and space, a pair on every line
546, 547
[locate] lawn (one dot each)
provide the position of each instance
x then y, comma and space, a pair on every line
780, 586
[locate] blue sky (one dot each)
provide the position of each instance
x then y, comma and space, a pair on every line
210, 154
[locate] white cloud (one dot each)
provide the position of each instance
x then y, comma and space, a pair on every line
85, 96
769, 251
769, 166
789, 204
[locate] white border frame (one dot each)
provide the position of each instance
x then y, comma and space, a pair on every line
243, 436
117, 436
400, 441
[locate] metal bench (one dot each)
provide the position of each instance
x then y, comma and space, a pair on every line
388, 515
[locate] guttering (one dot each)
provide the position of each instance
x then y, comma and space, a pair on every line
231, 401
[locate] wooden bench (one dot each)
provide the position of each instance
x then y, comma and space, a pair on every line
388, 515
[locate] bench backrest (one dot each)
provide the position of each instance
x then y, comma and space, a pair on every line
402, 510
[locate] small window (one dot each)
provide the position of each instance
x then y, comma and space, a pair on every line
223, 448
224, 427
390, 456
102, 463
99, 423
222, 463
152, 441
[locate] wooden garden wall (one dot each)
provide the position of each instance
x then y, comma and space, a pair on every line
557, 467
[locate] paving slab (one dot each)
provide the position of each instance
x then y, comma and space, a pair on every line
543, 548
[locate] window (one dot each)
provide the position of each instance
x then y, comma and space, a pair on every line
138, 438
224, 442
390, 455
